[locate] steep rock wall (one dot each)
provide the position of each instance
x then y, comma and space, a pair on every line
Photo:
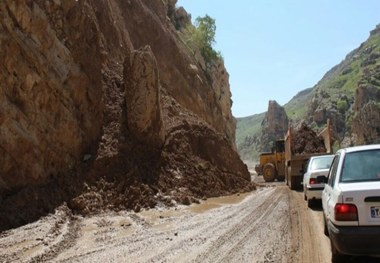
89, 118
178, 70
274, 125
365, 124
50, 93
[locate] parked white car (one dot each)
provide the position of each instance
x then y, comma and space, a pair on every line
315, 177
351, 202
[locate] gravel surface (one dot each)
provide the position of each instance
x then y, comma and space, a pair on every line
271, 224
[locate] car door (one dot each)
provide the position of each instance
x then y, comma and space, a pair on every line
327, 193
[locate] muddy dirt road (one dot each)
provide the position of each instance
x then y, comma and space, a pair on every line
271, 224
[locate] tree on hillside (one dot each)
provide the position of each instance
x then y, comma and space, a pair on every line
203, 36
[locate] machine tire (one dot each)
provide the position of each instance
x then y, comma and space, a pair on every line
336, 256
325, 229
269, 172
293, 182
288, 175
281, 178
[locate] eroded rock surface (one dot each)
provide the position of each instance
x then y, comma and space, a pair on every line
274, 125
104, 107
142, 96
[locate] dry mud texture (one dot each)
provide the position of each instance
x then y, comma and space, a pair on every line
271, 224
195, 163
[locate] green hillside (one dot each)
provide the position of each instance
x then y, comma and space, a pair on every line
248, 130
348, 95
296, 108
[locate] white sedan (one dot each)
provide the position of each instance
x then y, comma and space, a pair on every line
315, 177
351, 202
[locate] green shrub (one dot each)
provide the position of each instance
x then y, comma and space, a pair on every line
342, 105
202, 35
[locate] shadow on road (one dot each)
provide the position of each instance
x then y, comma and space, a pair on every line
361, 260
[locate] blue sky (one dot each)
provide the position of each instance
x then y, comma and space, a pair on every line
273, 49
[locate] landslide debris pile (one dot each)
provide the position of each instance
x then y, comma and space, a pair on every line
106, 108
305, 140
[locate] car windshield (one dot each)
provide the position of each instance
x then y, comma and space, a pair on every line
321, 163
361, 166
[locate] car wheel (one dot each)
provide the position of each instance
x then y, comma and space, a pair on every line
310, 203
336, 256
325, 230
269, 172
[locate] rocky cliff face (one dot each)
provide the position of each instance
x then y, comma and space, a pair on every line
269, 127
349, 95
103, 106
274, 125
365, 123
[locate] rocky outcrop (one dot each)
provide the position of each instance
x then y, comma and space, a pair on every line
268, 127
274, 125
100, 101
348, 96
365, 124
178, 16
142, 96
222, 96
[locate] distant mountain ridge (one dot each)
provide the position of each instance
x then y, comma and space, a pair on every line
348, 95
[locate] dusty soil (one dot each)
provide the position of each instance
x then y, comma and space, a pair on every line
271, 224
305, 140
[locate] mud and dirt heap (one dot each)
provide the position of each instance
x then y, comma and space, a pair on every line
104, 107
305, 140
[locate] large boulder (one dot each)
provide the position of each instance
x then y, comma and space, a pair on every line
274, 125
142, 94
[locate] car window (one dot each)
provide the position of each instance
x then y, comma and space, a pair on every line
321, 163
332, 172
361, 166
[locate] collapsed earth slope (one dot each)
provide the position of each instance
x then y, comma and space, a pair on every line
104, 106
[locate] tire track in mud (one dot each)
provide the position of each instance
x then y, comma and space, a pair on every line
309, 244
107, 241
271, 224
230, 234
271, 248
62, 242
232, 246
40, 241
187, 236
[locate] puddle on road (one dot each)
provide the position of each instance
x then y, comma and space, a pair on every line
162, 219
157, 219
217, 202
151, 216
